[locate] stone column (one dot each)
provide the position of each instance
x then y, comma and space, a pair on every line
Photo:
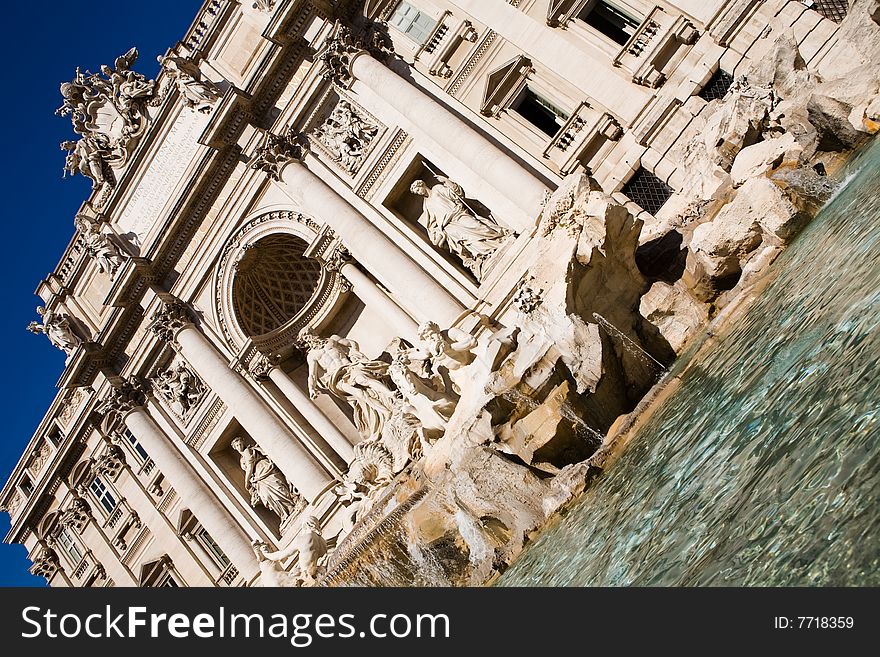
193, 490
301, 468
265, 369
452, 134
421, 294
372, 295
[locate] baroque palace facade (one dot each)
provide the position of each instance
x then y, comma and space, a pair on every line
279, 217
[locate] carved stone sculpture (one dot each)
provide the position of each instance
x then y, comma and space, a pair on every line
345, 44
264, 5
265, 482
427, 401
180, 387
110, 463
108, 111
76, 516
448, 350
126, 397
453, 226
45, 563
89, 156
57, 328
197, 92
347, 135
99, 245
337, 365
310, 547
170, 318
275, 153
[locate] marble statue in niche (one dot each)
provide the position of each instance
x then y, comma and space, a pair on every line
347, 135
453, 226
265, 482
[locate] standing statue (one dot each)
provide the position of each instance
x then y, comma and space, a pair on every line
265, 482
453, 226
337, 365
57, 328
309, 545
346, 135
99, 245
198, 92
88, 156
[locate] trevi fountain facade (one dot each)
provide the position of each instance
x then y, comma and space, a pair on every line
365, 293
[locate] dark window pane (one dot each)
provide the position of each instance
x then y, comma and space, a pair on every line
610, 21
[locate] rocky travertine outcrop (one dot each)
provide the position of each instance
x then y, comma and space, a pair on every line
759, 155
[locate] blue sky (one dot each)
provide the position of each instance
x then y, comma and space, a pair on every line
42, 45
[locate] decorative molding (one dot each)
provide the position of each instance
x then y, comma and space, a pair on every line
208, 422
471, 64
379, 170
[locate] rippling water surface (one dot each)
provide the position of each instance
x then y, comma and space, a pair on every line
764, 467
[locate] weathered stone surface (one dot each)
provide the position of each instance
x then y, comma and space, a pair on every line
758, 159
783, 68
830, 117
677, 314
722, 243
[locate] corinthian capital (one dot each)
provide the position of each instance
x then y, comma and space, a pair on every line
345, 44
131, 394
170, 318
276, 152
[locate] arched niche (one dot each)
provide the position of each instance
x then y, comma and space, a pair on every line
268, 289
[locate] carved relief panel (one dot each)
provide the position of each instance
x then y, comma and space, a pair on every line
343, 132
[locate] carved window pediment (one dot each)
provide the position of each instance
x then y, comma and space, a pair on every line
504, 84
562, 11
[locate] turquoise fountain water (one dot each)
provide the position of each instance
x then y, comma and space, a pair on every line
764, 467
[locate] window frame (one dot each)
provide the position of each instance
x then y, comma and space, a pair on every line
407, 30
107, 492
68, 543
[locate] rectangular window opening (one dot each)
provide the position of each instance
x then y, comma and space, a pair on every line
613, 22
103, 495
542, 113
